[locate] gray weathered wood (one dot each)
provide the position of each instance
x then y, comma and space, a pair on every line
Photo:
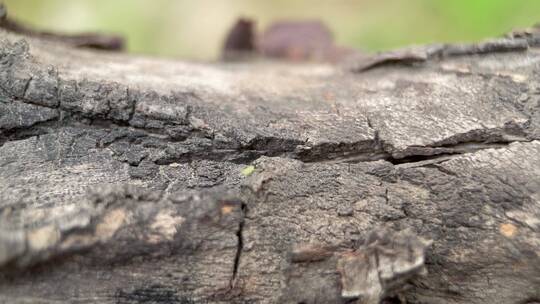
413, 176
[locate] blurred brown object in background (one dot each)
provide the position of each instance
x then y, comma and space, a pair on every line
297, 40
84, 40
240, 41
309, 40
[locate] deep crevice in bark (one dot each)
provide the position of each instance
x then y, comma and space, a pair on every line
454, 150
240, 246
273, 147
22, 133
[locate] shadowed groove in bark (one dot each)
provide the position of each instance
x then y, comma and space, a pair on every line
22, 133
240, 247
265, 147
260, 146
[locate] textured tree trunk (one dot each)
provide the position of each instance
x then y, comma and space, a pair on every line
409, 176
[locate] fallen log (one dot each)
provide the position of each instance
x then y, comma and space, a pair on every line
409, 177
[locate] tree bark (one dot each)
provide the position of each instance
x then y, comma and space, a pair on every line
408, 176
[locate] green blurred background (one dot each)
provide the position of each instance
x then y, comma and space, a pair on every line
195, 29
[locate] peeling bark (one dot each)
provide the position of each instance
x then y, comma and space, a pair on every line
412, 178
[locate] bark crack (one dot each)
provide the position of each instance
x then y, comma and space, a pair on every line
361, 151
240, 246
449, 151
22, 133
441, 169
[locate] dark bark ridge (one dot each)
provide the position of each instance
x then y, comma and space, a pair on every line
123, 179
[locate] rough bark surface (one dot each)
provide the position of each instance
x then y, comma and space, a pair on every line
408, 177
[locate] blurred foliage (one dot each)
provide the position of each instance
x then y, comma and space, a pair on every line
195, 29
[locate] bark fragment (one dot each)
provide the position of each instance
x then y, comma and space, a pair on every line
381, 265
